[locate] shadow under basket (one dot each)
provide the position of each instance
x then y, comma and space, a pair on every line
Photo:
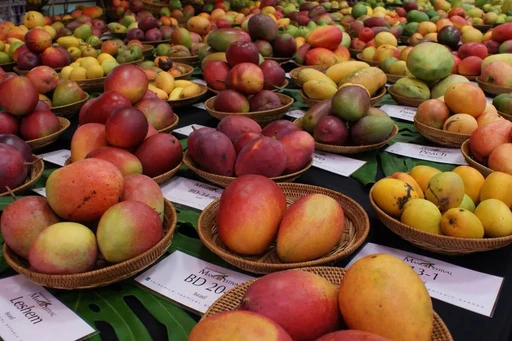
34, 174
438, 243
439, 136
105, 273
44, 141
355, 231
466, 152
232, 299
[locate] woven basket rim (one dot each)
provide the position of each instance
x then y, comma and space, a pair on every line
8, 64
285, 84
282, 178
278, 59
235, 295
25, 72
506, 116
156, 42
162, 178
367, 61
439, 236
189, 100
35, 144
35, 173
393, 78
359, 238
405, 100
425, 128
190, 70
72, 104
208, 104
89, 81
351, 149
147, 47
466, 153
492, 88
86, 276
171, 126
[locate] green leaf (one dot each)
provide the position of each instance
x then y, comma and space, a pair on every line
110, 307
392, 163
187, 215
368, 172
194, 247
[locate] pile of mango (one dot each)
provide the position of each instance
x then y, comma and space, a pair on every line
460, 203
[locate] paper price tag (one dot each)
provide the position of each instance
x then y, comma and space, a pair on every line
401, 112
489, 100
336, 163
199, 105
30, 312
199, 81
295, 113
57, 157
287, 75
187, 130
437, 154
447, 282
40, 191
190, 281
190, 193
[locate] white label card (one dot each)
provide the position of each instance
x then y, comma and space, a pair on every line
199, 81
199, 105
40, 191
287, 75
295, 113
187, 130
401, 112
437, 154
57, 157
29, 312
190, 193
465, 288
190, 281
336, 163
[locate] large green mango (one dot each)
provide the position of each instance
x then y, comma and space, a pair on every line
220, 39
430, 61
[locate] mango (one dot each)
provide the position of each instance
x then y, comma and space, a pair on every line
502, 57
410, 180
121, 158
300, 54
371, 129
497, 185
473, 181
422, 215
320, 56
319, 89
221, 38
287, 297
445, 190
391, 195
352, 335
371, 78
142, 188
430, 61
328, 37
250, 211
77, 195
264, 156
307, 74
316, 112
369, 302
341, 70
411, 88
311, 228
496, 218
461, 223
467, 203
350, 103
440, 88
488, 137
68, 41
238, 325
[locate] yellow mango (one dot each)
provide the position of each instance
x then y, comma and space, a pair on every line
307, 74
496, 218
497, 185
341, 70
422, 215
422, 174
392, 194
473, 181
445, 190
319, 89
410, 180
461, 223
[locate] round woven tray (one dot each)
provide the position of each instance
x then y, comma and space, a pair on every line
439, 136
393, 78
163, 178
188, 71
69, 110
223, 181
170, 127
285, 84
262, 117
155, 43
192, 60
280, 60
472, 78
357, 226
44, 141
105, 274
508, 117
294, 74
231, 300
25, 72
147, 51
183, 102
373, 101
411, 102
367, 61
135, 62
354, 52
153, 8
493, 89
8, 67
350, 149
466, 152
92, 85
439, 243
35, 172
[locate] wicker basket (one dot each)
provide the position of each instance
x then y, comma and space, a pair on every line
92, 85
183, 102
285, 84
439, 136
466, 152
147, 51
493, 89
508, 117
439, 243
367, 61
155, 43
411, 102
44, 141
262, 117
170, 127
350, 149
25, 72
232, 299
393, 78
294, 74
471, 78
153, 8
356, 230
373, 101
163, 178
69, 110
192, 60
354, 52
104, 274
223, 181
8, 67
135, 62
280, 60
35, 172
188, 71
